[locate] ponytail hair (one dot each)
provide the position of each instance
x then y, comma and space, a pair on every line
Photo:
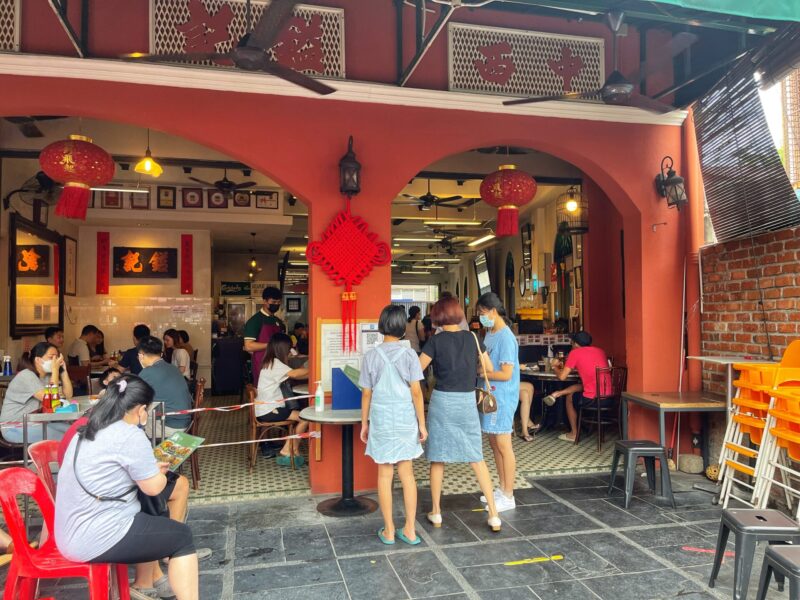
122, 394
490, 301
28, 359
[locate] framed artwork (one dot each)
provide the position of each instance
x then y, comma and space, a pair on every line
192, 197
144, 263
111, 200
526, 235
33, 260
71, 265
241, 199
166, 197
293, 305
217, 199
578, 274
140, 201
268, 200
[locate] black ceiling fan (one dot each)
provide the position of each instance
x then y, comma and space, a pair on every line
428, 200
225, 185
27, 125
617, 89
251, 53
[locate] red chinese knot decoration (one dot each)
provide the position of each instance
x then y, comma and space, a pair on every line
508, 189
347, 253
78, 164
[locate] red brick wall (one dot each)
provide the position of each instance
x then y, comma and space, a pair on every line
732, 320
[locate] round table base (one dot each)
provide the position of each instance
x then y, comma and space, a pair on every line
341, 507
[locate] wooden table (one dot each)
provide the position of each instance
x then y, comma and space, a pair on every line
348, 505
674, 402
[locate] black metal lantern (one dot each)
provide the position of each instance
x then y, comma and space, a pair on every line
572, 208
670, 185
349, 172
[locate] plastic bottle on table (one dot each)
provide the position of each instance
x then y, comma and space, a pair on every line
7, 366
47, 400
319, 398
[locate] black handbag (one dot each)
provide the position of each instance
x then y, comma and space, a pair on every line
288, 392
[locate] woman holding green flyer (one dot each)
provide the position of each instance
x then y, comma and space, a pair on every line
98, 515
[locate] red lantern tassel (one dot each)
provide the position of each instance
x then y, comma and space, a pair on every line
507, 221
73, 201
353, 322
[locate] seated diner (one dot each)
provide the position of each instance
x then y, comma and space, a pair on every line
167, 382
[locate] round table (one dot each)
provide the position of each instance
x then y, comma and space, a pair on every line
348, 505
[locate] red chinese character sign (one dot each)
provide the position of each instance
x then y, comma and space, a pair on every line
508, 189
347, 253
204, 31
497, 65
568, 67
300, 45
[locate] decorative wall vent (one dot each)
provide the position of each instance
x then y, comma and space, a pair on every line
522, 63
9, 25
176, 27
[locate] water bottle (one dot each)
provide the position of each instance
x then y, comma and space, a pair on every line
319, 398
7, 366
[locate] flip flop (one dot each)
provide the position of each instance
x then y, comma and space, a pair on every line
383, 539
526, 438
399, 533
564, 438
549, 400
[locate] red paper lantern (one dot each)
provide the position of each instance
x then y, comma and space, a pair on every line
78, 164
508, 189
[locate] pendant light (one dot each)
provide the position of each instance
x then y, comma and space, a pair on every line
148, 165
253, 264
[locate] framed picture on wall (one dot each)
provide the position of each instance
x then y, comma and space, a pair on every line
71, 266
192, 197
241, 199
577, 273
293, 305
166, 197
268, 200
140, 201
111, 200
217, 199
526, 235
33, 260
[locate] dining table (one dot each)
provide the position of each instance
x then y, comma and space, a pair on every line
545, 382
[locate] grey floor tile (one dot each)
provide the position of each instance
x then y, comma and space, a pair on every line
649, 513
257, 547
485, 554
423, 575
609, 514
517, 593
454, 502
371, 577
452, 531
555, 525
278, 577
329, 591
213, 512
477, 523
501, 576
563, 590
584, 493
699, 514
577, 481
667, 536
618, 552
531, 496
578, 560
210, 586
360, 544
687, 499
645, 586
271, 520
306, 543
216, 542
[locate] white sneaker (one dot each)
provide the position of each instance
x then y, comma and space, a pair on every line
496, 493
504, 503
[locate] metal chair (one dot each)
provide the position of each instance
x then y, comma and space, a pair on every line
194, 429
633, 450
264, 430
605, 409
783, 562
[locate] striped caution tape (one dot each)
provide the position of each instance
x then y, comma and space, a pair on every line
537, 559
234, 407
296, 436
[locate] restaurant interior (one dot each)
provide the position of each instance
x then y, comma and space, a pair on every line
254, 234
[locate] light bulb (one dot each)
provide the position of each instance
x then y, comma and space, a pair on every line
571, 206
252, 263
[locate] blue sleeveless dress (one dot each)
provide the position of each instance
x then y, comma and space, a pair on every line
393, 428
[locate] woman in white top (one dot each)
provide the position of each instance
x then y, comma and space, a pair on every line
274, 371
415, 330
179, 357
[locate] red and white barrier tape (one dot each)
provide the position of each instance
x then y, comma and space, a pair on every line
297, 436
233, 407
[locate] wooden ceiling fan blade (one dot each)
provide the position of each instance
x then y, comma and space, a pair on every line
447, 199
246, 184
299, 78
177, 56
565, 96
646, 103
203, 182
270, 24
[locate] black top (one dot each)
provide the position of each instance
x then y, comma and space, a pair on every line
130, 360
455, 360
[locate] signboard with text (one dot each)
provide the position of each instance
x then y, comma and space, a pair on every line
145, 263
234, 288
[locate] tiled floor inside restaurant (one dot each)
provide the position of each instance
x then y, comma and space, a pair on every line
565, 540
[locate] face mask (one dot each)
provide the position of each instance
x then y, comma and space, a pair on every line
486, 321
273, 308
47, 366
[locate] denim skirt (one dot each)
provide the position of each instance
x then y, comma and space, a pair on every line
454, 429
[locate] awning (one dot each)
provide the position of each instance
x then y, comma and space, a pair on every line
779, 10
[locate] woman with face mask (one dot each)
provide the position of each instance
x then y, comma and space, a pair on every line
43, 366
503, 373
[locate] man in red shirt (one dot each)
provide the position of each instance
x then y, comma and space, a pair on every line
584, 358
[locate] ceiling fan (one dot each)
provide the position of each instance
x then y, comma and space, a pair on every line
225, 185
617, 89
39, 188
251, 53
27, 125
506, 150
428, 200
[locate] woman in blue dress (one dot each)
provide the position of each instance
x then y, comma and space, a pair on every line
503, 373
393, 420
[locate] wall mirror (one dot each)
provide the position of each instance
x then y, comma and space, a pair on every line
36, 281
526, 234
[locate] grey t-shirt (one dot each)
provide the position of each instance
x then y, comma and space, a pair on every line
109, 466
401, 356
171, 389
19, 398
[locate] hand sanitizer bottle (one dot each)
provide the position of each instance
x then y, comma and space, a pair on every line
319, 398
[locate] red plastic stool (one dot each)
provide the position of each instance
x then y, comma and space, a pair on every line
28, 564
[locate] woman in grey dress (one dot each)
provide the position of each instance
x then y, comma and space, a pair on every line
454, 429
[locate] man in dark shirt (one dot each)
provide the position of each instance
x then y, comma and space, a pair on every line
167, 382
261, 326
130, 358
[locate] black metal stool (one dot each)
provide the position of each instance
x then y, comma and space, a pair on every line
649, 451
749, 527
784, 561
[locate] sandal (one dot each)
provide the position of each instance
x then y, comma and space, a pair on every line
494, 523
381, 537
404, 538
435, 519
563, 437
527, 438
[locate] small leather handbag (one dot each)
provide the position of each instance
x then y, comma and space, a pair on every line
486, 401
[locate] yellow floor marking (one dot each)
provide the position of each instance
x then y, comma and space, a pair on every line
538, 559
